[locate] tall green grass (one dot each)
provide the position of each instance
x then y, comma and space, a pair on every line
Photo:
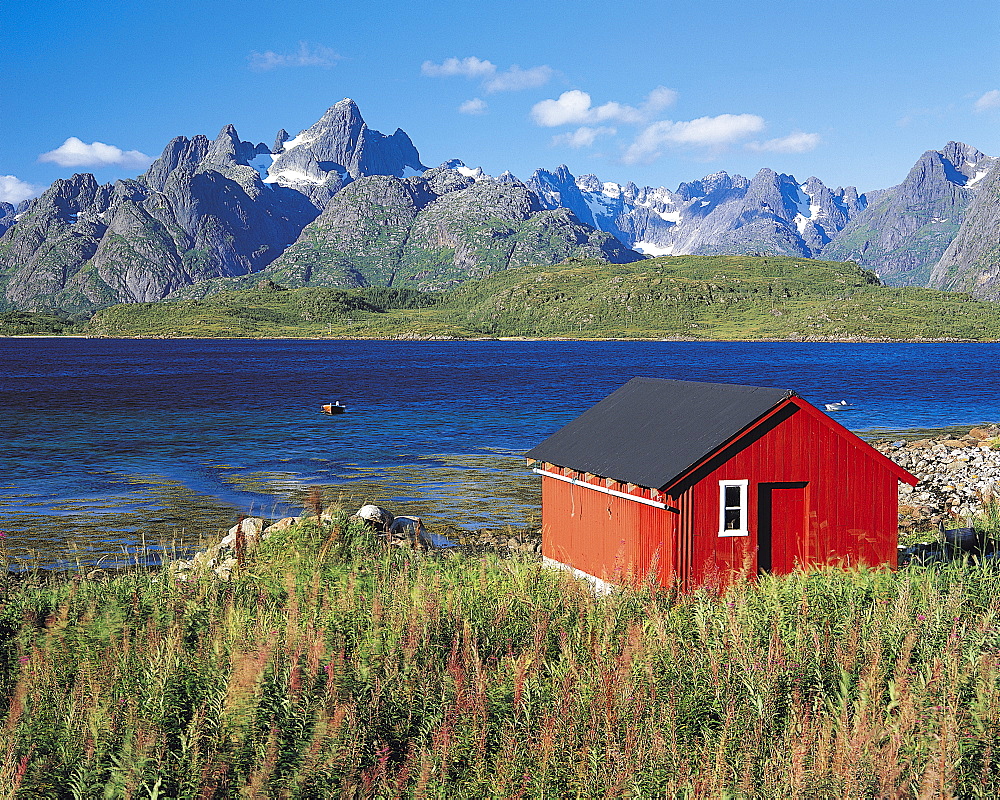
332, 666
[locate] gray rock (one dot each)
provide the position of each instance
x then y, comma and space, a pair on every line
338, 148
905, 230
772, 214
377, 517
972, 261
955, 483
8, 213
433, 232
280, 138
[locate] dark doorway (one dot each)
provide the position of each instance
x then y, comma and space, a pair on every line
782, 532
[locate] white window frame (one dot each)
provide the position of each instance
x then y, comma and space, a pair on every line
744, 507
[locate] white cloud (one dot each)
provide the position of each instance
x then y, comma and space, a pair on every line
76, 153
14, 190
583, 136
660, 98
574, 108
988, 101
713, 132
308, 55
515, 79
473, 106
793, 143
470, 67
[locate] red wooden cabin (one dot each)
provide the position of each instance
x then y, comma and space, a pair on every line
690, 482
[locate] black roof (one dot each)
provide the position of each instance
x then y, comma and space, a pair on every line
650, 430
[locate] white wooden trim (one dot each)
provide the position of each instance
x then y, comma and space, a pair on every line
744, 508
602, 489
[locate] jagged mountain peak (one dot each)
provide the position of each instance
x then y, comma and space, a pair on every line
228, 151
181, 153
959, 153
345, 106
711, 184
456, 164
339, 148
720, 213
972, 260
956, 163
905, 230
280, 138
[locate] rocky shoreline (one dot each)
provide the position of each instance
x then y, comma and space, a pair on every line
959, 476
240, 540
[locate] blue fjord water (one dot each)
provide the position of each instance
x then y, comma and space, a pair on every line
109, 442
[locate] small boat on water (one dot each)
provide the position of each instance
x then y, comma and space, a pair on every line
334, 408
838, 406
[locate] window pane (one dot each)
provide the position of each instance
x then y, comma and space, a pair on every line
733, 519
732, 497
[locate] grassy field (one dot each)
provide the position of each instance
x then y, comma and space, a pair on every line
698, 297
332, 667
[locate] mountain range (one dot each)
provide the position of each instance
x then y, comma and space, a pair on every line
910, 235
343, 205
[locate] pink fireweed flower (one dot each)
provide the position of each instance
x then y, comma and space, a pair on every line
921, 617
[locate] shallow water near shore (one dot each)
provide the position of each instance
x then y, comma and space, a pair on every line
107, 444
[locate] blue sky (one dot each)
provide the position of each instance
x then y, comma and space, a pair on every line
653, 92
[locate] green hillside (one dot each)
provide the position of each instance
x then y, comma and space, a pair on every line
39, 323
703, 297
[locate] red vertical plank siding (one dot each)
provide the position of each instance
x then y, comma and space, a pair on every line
850, 501
612, 538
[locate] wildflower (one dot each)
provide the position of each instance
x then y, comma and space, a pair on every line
3, 534
921, 617
24, 659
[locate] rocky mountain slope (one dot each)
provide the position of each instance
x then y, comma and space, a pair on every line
905, 230
227, 208
972, 261
9, 213
341, 204
719, 214
435, 231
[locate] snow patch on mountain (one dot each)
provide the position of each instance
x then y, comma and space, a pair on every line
981, 173
651, 249
300, 139
293, 176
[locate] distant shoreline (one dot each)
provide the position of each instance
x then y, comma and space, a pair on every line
431, 338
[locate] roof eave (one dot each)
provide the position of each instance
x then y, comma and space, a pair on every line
852, 438
732, 439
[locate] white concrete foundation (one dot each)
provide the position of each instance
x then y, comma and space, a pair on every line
601, 587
